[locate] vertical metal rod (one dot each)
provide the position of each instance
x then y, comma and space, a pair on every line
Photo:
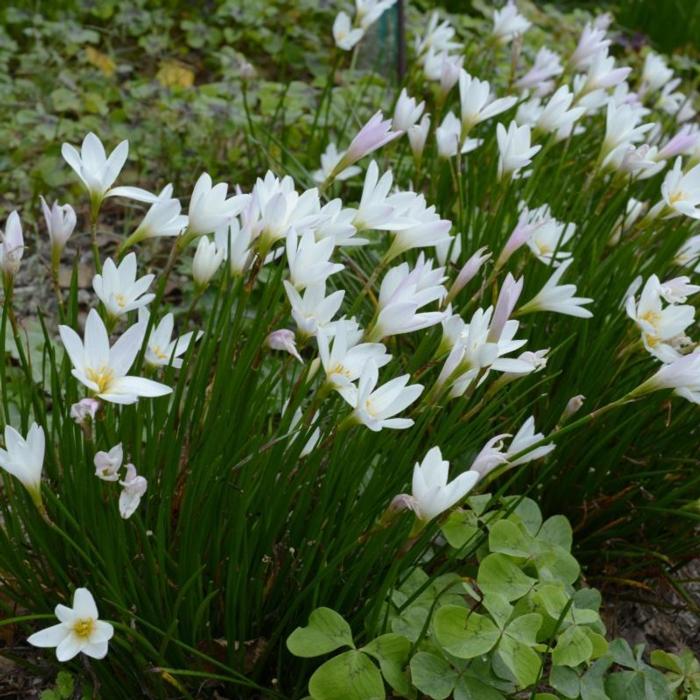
400, 40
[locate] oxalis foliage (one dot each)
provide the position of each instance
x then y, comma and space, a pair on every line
434, 292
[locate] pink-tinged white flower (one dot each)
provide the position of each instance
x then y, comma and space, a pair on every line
591, 43
329, 160
367, 12
119, 290
108, 464
60, 224
491, 456
79, 630
210, 208
468, 272
547, 240
344, 361
514, 149
558, 116
314, 310
560, 299
573, 406
685, 142
407, 112
662, 327
133, 489
528, 223
508, 296
23, 458
402, 293
682, 375
283, 339
637, 161
83, 412
376, 407
622, 128
234, 240
417, 136
678, 289
96, 171
601, 75
432, 494
161, 349
523, 440
373, 135
206, 262
309, 260
163, 219
344, 34
11, 245
681, 191
547, 65
438, 37
656, 73
508, 23
477, 104
103, 370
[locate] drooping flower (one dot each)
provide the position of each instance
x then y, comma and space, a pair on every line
558, 298
119, 290
79, 630
206, 262
133, 488
11, 245
108, 464
83, 412
161, 349
23, 458
210, 209
60, 223
103, 370
283, 339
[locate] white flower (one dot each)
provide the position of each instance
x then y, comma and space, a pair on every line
235, 241
514, 149
161, 349
97, 171
427, 230
329, 160
468, 272
678, 289
438, 36
344, 34
689, 253
591, 43
336, 222
119, 290
163, 218
79, 630
102, 369
209, 207
207, 260
431, 492
558, 298
108, 464
314, 310
417, 135
309, 260
60, 223
377, 209
442, 67
681, 191
373, 135
557, 116
402, 293
524, 439
656, 73
449, 137
374, 407
24, 458
547, 65
284, 339
548, 238
344, 361
601, 75
508, 23
490, 456
682, 375
476, 102
369, 11
84, 411
622, 128
133, 488
407, 112
11, 245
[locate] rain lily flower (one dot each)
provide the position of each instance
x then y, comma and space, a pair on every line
525, 438
432, 495
210, 209
515, 151
133, 488
547, 239
96, 171
508, 23
449, 137
528, 222
309, 260
283, 339
656, 73
682, 375
476, 102
558, 298
344, 34
375, 407
108, 464
681, 191
450, 246
407, 112
683, 143
591, 43
161, 349
329, 160
444, 68
207, 260
60, 223
547, 65
601, 75
79, 630
163, 219
314, 310
689, 253
557, 116
622, 128
403, 291
235, 241
83, 412
119, 290
11, 245
678, 289
103, 370
373, 135
490, 456
417, 136
508, 296
23, 458
468, 272
377, 209
438, 36
344, 361
367, 12
336, 222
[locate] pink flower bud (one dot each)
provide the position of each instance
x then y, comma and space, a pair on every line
468, 272
84, 411
283, 339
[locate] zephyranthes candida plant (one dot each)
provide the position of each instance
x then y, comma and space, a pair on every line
420, 287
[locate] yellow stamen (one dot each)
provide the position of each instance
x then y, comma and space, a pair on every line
103, 377
84, 628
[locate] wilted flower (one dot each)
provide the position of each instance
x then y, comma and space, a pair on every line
344, 34
60, 223
119, 290
283, 339
23, 458
84, 411
558, 298
79, 630
133, 488
515, 151
207, 260
108, 464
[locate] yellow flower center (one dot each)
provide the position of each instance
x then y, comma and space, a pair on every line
676, 197
103, 377
340, 369
543, 248
652, 317
158, 352
84, 628
121, 300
